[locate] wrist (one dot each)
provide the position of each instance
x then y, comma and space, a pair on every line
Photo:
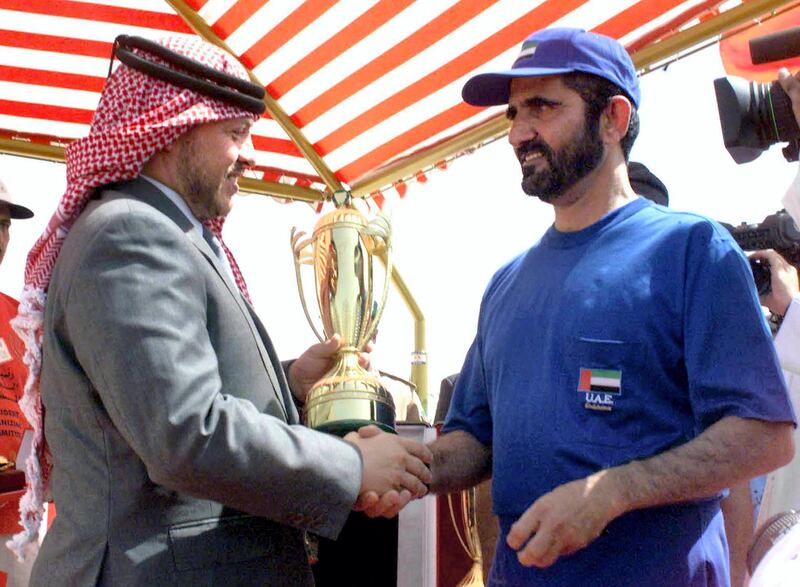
354, 439
294, 385
782, 304
616, 483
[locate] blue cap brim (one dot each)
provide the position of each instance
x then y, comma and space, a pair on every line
493, 89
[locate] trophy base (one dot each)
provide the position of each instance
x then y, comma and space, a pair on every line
344, 427
341, 412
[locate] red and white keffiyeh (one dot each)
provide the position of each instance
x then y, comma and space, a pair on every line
137, 116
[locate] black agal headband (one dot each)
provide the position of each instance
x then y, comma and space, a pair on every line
189, 74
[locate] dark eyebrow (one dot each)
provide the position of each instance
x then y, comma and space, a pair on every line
540, 101
532, 102
242, 126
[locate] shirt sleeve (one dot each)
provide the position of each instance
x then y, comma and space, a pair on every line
731, 363
469, 407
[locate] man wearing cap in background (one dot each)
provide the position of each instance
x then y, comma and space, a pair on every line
12, 423
177, 454
622, 375
645, 183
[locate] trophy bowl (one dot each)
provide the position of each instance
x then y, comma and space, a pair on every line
341, 250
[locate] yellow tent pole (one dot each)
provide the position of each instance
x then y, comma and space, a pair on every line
278, 114
704, 31
30, 149
281, 190
419, 360
497, 126
246, 184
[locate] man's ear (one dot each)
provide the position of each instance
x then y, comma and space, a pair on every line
615, 119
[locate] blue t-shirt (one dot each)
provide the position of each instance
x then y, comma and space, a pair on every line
609, 344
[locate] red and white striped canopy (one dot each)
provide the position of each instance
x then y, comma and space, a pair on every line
361, 94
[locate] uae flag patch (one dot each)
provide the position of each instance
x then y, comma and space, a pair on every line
604, 380
600, 386
528, 49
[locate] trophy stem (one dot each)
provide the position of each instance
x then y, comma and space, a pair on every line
348, 398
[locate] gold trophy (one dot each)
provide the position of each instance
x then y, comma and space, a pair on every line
341, 251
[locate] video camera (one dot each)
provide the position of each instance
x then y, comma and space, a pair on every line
778, 232
755, 116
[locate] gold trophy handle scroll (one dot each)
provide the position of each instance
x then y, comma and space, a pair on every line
303, 255
470, 539
379, 231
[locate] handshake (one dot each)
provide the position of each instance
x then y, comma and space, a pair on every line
395, 470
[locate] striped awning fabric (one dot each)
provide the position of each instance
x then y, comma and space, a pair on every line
361, 93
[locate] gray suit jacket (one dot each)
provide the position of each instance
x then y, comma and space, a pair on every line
178, 457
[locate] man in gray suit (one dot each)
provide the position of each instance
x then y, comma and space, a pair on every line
177, 454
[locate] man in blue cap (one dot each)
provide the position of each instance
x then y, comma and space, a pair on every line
622, 376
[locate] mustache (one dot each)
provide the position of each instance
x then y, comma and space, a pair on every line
237, 169
531, 146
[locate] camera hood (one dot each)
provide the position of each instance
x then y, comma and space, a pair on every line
739, 130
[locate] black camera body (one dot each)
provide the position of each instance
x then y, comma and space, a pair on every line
762, 276
777, 231
754, 116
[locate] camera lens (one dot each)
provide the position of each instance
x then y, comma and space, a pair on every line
753, 116
774, 111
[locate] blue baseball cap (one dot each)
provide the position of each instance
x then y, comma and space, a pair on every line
553, 52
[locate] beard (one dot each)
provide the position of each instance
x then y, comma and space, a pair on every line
202, 187
565, 167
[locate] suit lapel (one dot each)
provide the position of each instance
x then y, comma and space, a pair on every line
288, 402
150, 194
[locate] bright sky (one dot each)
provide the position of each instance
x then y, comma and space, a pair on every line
453, 232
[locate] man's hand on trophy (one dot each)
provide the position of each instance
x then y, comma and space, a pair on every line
315, 362
395, 470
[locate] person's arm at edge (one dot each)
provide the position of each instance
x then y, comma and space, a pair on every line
787, 340
784, 300
737, 512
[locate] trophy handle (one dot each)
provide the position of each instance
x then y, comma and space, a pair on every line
300, 253
470, 540
379, 230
